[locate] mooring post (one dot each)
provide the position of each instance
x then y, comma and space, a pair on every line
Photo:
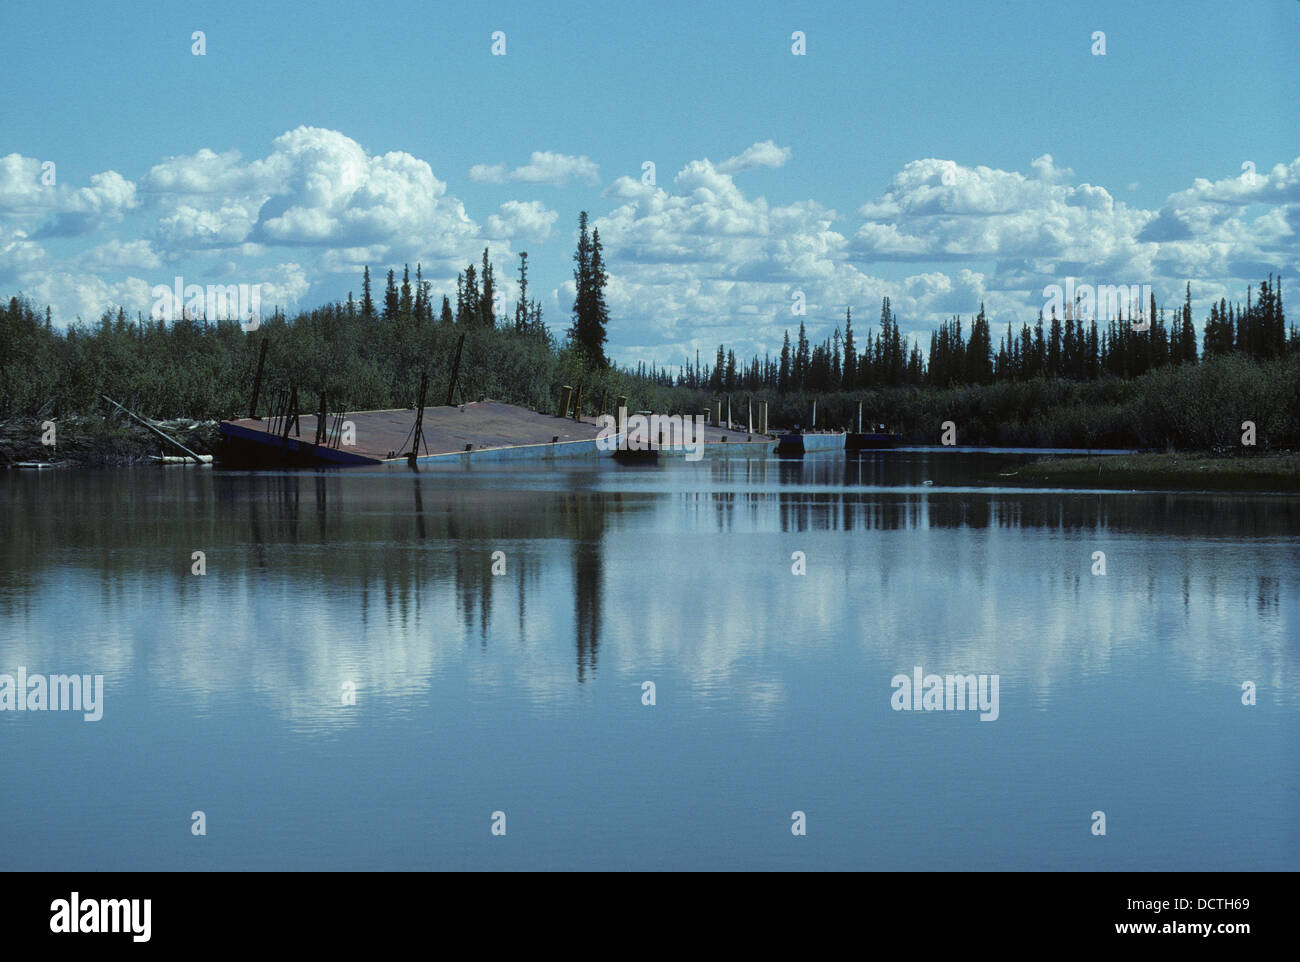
566, 395
859, 417
455, 371
765, 430
749, 415
291, 415
718, 413
320, 421
812, 425
419, 418
728, 412
257, 381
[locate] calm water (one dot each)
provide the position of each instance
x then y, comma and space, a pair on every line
521, 692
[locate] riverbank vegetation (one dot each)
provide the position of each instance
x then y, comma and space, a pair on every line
1163, 470
1140, 382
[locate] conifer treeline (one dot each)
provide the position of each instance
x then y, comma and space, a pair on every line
476, 295
1086, 384
1058, 348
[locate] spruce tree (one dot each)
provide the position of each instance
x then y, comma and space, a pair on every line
783, 372
404, 301
367, 304
590, 314
1187, 340
1054, 347
521, 307
850, 380
390, 298
468, 311
802, 358
599, 321
486, 305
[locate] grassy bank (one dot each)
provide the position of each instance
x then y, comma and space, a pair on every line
1278, 471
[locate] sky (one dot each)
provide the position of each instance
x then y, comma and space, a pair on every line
941, 154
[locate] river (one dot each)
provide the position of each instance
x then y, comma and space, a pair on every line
373, 664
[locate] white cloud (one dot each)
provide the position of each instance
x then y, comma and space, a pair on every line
543, 167
524, 220
119, 255
76, 210
763, 154
694, 262
20, 185
18, 254
701, 262
208, 172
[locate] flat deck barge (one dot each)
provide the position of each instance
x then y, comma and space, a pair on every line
477, 431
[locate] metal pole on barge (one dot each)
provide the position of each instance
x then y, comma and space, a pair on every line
419, 419
455, 370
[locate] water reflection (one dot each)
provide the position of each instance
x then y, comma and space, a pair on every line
387, 580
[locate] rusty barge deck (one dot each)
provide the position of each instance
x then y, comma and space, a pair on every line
478, 431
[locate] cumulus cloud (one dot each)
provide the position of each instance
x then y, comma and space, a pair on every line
764, 154
208, 172
702, 262
56, 210
119, 255
694, 261
316, 189
525, 220
936, 210
17, 254
543, 167
21, 189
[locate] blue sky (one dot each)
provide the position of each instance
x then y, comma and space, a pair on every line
943, 154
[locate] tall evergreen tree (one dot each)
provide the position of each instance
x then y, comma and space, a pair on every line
521, 307
590, 314
599, 323
783, 372
979, 353
468, 312
390, 298
487, 300
802, 360
1187, 337
367, 304
405, 304
1054, 347
850, 380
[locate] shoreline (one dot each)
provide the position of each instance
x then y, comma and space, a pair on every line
98, 442
1274, 472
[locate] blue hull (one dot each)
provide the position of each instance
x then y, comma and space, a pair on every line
792, 443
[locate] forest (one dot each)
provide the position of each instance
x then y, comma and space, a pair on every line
1142, 381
